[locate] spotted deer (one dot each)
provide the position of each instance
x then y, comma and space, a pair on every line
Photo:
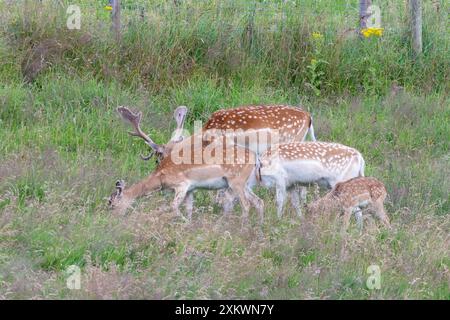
280, 123
270, 124
219, 168
301, 163
354, 195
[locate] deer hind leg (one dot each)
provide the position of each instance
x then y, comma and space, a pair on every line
189, 204
380, 213
226, 199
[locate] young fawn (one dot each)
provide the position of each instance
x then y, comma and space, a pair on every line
354, 195
303, 163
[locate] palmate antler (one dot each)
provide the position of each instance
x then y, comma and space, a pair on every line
135, 120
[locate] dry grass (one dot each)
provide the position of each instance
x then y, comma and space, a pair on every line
53, 215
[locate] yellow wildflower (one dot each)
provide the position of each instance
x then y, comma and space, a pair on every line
317, 35
108, 8
368, 32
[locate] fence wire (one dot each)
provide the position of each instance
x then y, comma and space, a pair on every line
264, 14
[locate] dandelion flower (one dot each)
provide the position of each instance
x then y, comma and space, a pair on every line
317, 35
368, 32
108, 8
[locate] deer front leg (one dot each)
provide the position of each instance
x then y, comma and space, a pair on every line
239, 189
281, 197
297, 200
226, 199
256, 202
245, 206
180, 195
347, 216
359, 218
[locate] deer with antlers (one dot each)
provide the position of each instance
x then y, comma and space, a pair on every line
267, 124
279, 123
354, 195
185, 178
303, 163
222, 165
160, 151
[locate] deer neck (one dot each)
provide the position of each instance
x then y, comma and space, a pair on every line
149, 184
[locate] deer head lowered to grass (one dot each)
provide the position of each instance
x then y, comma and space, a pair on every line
302, 163
221, 165
354, 195
279, 123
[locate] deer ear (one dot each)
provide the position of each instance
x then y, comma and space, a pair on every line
180, 116
161, 149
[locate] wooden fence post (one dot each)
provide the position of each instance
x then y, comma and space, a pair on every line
115, 16
416, 25
363, 5
26, 14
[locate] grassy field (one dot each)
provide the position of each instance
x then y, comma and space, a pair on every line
62, 147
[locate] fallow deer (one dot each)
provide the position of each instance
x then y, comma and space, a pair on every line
220, 166
307, 162
268, 124
280, 122
354, 195
260, 126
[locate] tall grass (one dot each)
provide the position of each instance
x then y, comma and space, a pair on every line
239, 41
62, 147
